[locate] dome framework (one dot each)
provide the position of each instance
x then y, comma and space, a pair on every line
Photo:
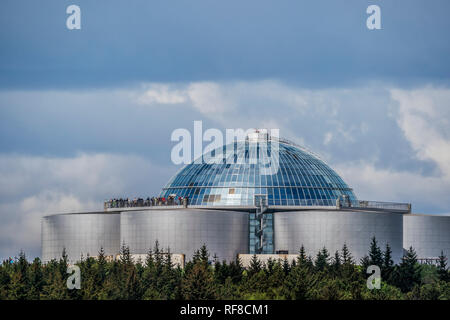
302, 179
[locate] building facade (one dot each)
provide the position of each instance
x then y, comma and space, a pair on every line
80, 235
315, 229
184, 230
427, 234
262, 195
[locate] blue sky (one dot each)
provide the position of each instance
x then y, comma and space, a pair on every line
87, 114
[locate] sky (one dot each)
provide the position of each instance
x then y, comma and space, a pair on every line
87, 115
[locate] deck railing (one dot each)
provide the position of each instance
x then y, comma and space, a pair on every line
149, 202
341, 203
368, 204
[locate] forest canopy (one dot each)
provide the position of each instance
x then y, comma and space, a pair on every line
326, 276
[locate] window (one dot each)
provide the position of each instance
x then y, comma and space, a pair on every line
301, 179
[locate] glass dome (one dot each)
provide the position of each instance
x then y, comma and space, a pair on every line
301, 179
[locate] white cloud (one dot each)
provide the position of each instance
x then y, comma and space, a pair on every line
223, 102
25, 231
372, 183
424, 116
327, 138
295, 110
162, 94
206, 97
386, 141
32, 187
347, 115
209, 98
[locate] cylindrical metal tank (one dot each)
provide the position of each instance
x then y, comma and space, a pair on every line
81, 234
427, 234
331, 229
185, 230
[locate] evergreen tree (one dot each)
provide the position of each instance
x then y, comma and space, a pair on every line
125, 256
408, 272
330, 289
347, 267
286, 266
168, 264
19, 285
276, 277
300, 283
365, 263
56, 286
336, 265
388, 264
270, 265
220, 271
63, 263
429, 291
310, 263
130, 290
375, 254
149, 275
5, 280
204, 254
22, 263
36, 279
160, 278
256, 285
198, 283
302, 255
196, 257
293, 263
101, 263
322, 259
89, 271
149, 260
443, 273
236, 270
346, 255
111, 287
127, 278
255, 266
228, 291
158, 258
169, 280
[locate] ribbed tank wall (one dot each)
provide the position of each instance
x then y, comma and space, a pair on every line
185, 230
80, 235
427, 234
331, 229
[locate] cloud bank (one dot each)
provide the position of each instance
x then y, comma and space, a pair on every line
69, 150
391, 144
34, 186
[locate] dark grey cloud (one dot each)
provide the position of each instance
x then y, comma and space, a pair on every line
311, 43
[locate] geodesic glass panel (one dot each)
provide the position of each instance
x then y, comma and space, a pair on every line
301, 178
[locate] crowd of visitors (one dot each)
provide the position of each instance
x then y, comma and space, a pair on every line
171, 200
